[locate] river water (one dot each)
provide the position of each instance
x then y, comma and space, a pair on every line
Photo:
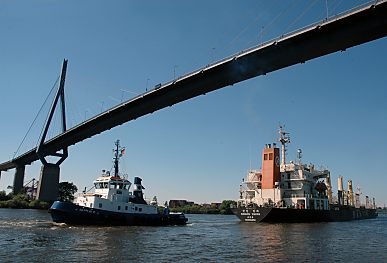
30, 236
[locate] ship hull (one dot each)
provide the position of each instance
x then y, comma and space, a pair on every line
289, 215
70, 213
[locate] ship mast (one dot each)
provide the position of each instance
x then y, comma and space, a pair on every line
284, 139
118, 152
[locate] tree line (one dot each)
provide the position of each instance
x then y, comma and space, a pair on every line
67, 191
224, 208
23, 200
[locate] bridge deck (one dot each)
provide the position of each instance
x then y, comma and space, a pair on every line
339, 33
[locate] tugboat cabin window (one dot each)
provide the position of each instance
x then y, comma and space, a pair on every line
136, 208
98, 185
270, 156
126, 207
265, 156
119, 208
100, 205
112, 185
140, 209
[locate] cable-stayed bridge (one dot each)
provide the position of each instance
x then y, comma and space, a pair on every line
354, 27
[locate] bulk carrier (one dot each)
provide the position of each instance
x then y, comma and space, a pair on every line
296, 192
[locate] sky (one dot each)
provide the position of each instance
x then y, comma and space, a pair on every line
334, 107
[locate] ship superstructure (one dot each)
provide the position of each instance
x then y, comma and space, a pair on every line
112, 192
294, 186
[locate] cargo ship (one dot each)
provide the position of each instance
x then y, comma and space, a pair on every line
295, 192
112, 203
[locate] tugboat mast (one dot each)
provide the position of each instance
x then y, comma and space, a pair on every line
284, 139
118, 152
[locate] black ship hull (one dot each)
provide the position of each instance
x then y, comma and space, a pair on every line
69, 213
290, 215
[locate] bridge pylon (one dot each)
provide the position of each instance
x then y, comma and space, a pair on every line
49, 174
18, 179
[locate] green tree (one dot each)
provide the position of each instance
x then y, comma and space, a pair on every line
3, 196
225, 207
66, 191
18, 201
37, 204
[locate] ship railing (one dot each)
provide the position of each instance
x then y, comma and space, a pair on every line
253, 182
296, 179
253, 185
311, 196
252, 189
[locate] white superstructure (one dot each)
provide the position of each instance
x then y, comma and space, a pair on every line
113, 194
281, 184
297, 188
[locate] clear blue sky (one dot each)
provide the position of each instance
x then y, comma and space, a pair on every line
334, 107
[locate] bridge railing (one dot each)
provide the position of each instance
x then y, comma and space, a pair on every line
233, 56
281, 37
268, 42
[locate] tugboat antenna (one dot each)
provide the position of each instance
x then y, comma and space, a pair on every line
116, 157
118, 152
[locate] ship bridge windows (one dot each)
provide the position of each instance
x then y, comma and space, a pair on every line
101, 185
118, 185
98, 185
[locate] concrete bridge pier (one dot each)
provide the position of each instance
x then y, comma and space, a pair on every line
18, 179
49, 182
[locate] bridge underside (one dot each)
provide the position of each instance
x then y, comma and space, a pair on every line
337, 34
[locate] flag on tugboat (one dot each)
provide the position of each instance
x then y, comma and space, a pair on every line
122, 152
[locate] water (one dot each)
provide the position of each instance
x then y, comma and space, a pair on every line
30, 236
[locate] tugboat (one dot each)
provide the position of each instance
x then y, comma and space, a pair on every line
112, 203
295, 192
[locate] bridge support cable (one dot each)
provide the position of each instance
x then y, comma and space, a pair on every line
305, 11
35, 119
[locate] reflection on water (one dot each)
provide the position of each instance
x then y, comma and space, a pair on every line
29, 235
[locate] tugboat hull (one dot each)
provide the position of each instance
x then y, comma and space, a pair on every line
70, 213
289, 215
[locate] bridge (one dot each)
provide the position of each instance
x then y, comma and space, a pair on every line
354, 27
